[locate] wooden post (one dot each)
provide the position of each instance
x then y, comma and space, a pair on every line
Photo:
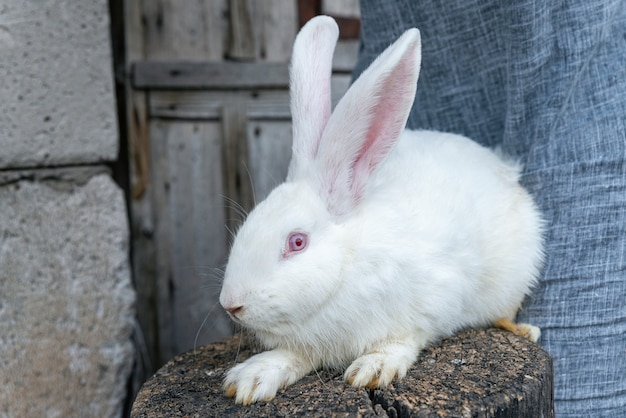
476, 373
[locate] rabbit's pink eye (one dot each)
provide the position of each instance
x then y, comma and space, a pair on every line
296, 242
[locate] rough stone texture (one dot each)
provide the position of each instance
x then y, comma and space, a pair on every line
476, 373
56, 83
66, 302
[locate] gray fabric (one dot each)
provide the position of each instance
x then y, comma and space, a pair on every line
545, 80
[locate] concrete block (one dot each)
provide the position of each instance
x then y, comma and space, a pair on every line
56, 83
66, 300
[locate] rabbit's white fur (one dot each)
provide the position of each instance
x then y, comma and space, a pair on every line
412, 234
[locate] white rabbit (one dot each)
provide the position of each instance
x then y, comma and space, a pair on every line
381, 240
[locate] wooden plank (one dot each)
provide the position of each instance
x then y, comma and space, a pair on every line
339, 85
198, 240
235, 160
192, 31
278, 27
157, 230
241, 44
207, 105
341, 8
215, 29
190, 234
262, 104
269, 143
206, 75
346, 56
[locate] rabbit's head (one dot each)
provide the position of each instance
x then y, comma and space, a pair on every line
289, 258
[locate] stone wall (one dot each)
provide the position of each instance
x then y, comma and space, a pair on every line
66, 299
56, 83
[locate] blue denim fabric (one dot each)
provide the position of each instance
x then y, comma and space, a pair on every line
546, 81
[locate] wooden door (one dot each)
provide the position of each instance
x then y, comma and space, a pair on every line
209, 133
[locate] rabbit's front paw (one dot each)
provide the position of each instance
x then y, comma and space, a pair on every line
262, 375
379, 368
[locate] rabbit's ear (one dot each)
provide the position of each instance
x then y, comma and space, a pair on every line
367, 122
310, 71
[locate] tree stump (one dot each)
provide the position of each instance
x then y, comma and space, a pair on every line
475, 373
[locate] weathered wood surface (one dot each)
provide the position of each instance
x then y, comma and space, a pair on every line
178, 207
189, 230
341, 8
175, 30
242, 39
262, 104
209, 75
476, 373
236, 163
195, 62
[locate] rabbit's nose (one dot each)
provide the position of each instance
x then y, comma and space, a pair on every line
234, 310
231, 304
